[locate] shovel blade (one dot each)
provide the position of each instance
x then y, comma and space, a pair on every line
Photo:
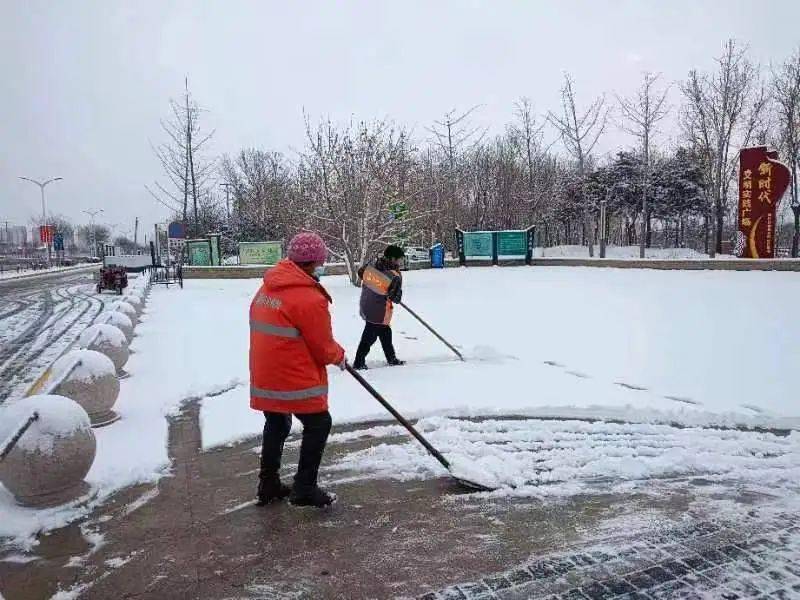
472, 485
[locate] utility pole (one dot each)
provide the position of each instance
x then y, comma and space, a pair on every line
42, 185
136, 233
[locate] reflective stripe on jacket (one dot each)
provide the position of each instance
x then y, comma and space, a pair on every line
291, 342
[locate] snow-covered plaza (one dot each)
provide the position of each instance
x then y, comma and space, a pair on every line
653, 389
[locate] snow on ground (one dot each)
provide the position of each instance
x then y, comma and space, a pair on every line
632, 345
648, 347
14, 274
541, 457
623, 252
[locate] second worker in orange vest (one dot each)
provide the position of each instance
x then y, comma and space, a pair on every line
381, 287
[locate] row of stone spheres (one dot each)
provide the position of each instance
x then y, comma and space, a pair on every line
47, 463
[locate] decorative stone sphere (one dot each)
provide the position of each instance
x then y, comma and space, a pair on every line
140, 292
135, 301
47, 465
108, 340
90, 379
118, 320
126, 309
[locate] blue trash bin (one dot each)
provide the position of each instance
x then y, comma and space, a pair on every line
437, 256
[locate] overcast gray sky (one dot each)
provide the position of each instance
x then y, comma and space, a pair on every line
84, 84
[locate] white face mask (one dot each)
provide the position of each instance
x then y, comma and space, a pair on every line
319, 271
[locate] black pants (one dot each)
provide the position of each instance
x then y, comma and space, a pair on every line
316, 427
372, 332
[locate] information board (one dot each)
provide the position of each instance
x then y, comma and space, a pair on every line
512, 244
199, 253
260, 253
478, 245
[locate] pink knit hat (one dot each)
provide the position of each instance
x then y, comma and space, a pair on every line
307, 247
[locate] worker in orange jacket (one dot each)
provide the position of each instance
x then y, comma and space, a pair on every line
291, 343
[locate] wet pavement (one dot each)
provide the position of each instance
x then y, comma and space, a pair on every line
197, 534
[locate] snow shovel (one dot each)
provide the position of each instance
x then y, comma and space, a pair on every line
432, 330
402, 420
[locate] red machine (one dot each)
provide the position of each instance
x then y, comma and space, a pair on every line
112, 278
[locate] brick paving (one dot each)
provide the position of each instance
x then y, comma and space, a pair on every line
704, 559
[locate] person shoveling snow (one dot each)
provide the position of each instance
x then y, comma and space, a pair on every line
291, 343
381, 288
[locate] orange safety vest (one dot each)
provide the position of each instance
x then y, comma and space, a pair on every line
376, 307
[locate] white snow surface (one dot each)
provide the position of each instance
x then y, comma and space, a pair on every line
682, 347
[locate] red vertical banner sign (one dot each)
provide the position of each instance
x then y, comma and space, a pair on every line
46, 233
762, 181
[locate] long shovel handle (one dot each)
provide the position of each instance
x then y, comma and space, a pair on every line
400, 418
432, 330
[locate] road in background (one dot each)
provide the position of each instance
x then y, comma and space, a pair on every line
40, 317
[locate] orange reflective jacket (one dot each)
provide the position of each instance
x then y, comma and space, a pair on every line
291, 343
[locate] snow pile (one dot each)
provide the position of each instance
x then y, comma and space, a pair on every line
623, 252
58, 417
525, 454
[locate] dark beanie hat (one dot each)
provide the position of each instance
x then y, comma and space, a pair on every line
394, 252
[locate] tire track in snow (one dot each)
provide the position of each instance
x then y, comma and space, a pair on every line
20, 366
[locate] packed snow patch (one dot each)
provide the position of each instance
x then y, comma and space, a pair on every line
519, 455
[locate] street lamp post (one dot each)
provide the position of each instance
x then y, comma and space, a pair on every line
42, 185
92, 214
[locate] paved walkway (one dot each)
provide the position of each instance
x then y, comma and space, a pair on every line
198, 535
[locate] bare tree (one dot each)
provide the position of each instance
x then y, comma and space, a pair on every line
265, 196
641, 115
182, 161
786, 85
527, 134
453, 136
580, 134
352, 183
722, 115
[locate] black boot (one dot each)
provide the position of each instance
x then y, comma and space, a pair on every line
316, 497
395, 362
271, 490
362, 366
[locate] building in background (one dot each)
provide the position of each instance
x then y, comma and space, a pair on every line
13, 235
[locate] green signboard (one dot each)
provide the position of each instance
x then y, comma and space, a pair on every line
512, 243
260, 253
478, 245
199, 253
